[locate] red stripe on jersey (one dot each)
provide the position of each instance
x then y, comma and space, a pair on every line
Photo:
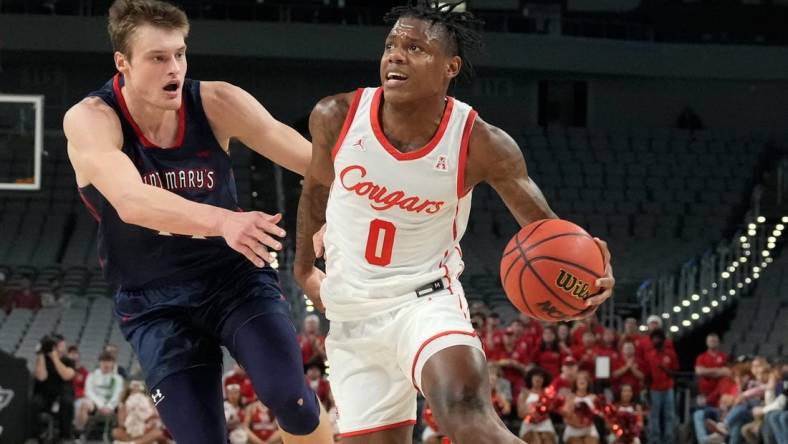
144, 140
425, 343
351, 113
90, 207
408, 422
391, 149
466, 137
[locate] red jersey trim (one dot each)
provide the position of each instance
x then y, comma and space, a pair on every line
425, 343
90, 206
144, 140
408, 422
351, 114
413, 155
466, 138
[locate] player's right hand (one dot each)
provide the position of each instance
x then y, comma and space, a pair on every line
252, 234
310, 283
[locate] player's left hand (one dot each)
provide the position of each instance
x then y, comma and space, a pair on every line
606, 282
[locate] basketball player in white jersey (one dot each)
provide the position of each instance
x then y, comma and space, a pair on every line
391, 174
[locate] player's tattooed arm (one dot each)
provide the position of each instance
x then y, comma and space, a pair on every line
234, 113
325, 125
495, 158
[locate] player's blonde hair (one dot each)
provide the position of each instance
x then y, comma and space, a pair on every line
125, 16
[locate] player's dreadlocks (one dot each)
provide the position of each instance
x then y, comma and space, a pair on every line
461, 27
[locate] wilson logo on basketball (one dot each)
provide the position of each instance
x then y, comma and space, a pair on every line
572, 285
381, 198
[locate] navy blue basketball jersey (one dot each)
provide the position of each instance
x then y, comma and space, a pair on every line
196, 168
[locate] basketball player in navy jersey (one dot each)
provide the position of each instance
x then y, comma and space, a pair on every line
149, 150
391, 174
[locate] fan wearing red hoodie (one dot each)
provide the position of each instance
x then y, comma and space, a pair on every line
662, 362
562, 385
609, 345
585, 353
589, 324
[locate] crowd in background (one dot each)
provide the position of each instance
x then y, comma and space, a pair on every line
576, 383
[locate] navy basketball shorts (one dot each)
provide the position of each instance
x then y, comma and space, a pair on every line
180, 326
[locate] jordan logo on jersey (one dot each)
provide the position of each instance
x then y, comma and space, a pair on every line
359, 145
381, 198
442, 164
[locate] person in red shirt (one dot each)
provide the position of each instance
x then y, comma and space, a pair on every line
662, 362
564, 382
710, 366
653, 322
609, 345
493, 333
25, 297
589, 324
514, 357
585, 353
631, 332
312, 341
548, 355
238, 376
564, 338
81, 373
628, 369
533, 329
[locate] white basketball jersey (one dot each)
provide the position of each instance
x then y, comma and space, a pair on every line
394, 219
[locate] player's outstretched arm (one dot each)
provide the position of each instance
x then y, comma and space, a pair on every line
325, 125
234, 113
94, 147
495, 158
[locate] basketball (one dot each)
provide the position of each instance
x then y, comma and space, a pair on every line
549, 268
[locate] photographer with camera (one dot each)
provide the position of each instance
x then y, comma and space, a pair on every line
53, 392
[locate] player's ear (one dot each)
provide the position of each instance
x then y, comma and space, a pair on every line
453, 67
121, 62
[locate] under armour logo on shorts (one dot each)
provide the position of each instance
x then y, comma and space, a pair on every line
157, 397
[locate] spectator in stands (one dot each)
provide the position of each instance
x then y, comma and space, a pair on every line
653, 322
631, 332
80, 376
751, 432
112, 349
532, 329
549, 355
564, 338
238, 376
662, 362
25, 296
492, 331
138, 421
711, 367
103, 388
312, 341
532, 430
775, 424
719, 401
689, 120
260, 422
578, 412
585, 352
741, 413
53, 374
564, 382
588, 324
609, 345
315, 377
514, 357
628, 370
501, 391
